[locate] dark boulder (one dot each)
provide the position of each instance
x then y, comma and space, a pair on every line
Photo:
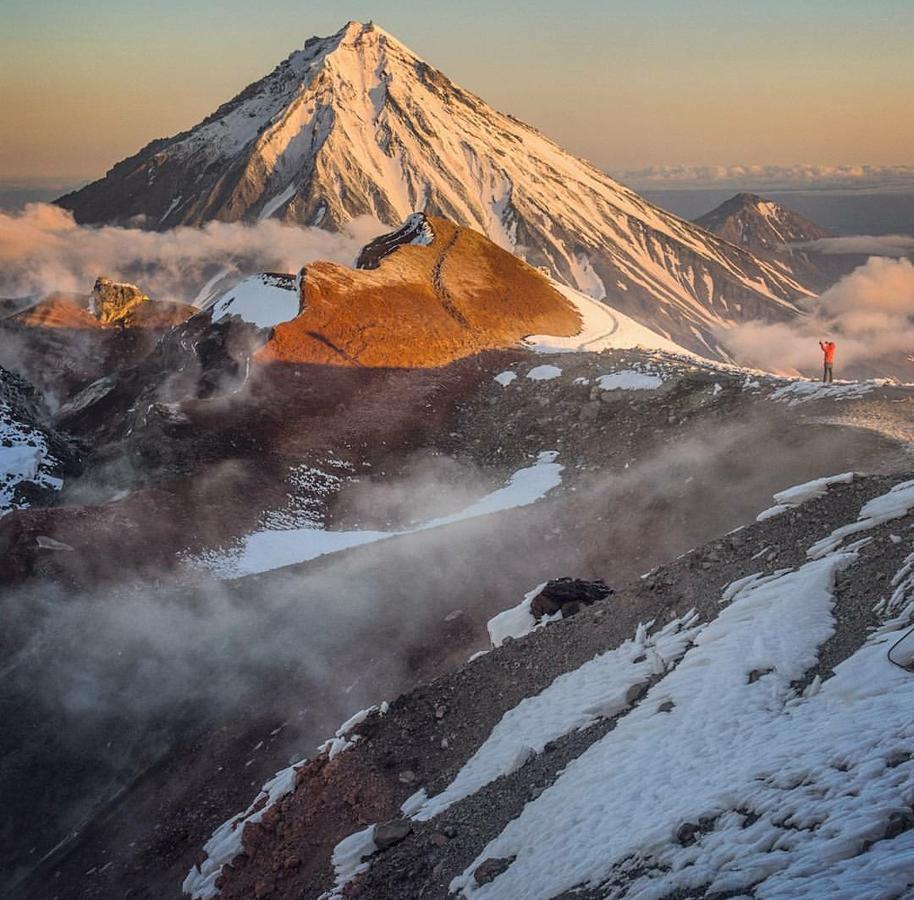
567, 595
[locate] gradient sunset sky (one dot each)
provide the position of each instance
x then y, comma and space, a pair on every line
625, 84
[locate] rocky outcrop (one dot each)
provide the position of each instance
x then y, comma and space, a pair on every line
125, 305
113, 301
417, 229
567, 596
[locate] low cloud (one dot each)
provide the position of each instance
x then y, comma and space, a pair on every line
42, 249
771, 177
895, 245
869, 314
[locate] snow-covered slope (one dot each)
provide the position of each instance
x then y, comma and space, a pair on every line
263, 300
602, 328
759, 744
357, 124
29, 467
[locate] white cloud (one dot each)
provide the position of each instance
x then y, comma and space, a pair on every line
42, 249
869, 314
865, 244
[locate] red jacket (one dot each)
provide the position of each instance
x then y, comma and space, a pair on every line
828, 348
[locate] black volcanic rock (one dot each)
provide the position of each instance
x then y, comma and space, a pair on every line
567, 595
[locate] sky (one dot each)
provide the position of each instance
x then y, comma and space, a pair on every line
627, 84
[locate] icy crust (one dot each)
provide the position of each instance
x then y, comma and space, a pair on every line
800, 493
601, 688
262, 300
268, 549
723, 778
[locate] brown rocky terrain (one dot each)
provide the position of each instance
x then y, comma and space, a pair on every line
421, 305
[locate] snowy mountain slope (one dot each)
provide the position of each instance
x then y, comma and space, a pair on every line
618, 511
759, 744
356, 123
33, 459
602, 328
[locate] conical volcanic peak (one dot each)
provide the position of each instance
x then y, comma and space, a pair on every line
357, 124
759, 225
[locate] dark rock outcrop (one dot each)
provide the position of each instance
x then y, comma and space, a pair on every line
567, 595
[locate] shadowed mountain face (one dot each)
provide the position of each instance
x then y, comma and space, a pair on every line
781, 235
759, 225
356, 124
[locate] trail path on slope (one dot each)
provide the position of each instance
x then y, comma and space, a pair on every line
438, 282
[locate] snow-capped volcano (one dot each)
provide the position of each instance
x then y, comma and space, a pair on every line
356, 124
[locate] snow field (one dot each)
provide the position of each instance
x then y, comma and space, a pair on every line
599, 689
269, 549
782, 794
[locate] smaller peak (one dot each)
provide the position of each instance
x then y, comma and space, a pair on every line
747, 198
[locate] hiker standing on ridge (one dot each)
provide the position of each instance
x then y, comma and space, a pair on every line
828, 348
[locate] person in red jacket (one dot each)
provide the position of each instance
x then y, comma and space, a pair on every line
828, 348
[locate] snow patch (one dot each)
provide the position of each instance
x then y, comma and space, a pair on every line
225, 844
544, 373
746, 755
802, 391
516, 621
602, 328
505, 378
601, 688
350, 858
24, 457
629, 380
263, 300
267, 549
898, 502
809, 490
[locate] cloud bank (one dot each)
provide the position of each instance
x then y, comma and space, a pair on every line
42, 249
895, 245
869, 314
772, 177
